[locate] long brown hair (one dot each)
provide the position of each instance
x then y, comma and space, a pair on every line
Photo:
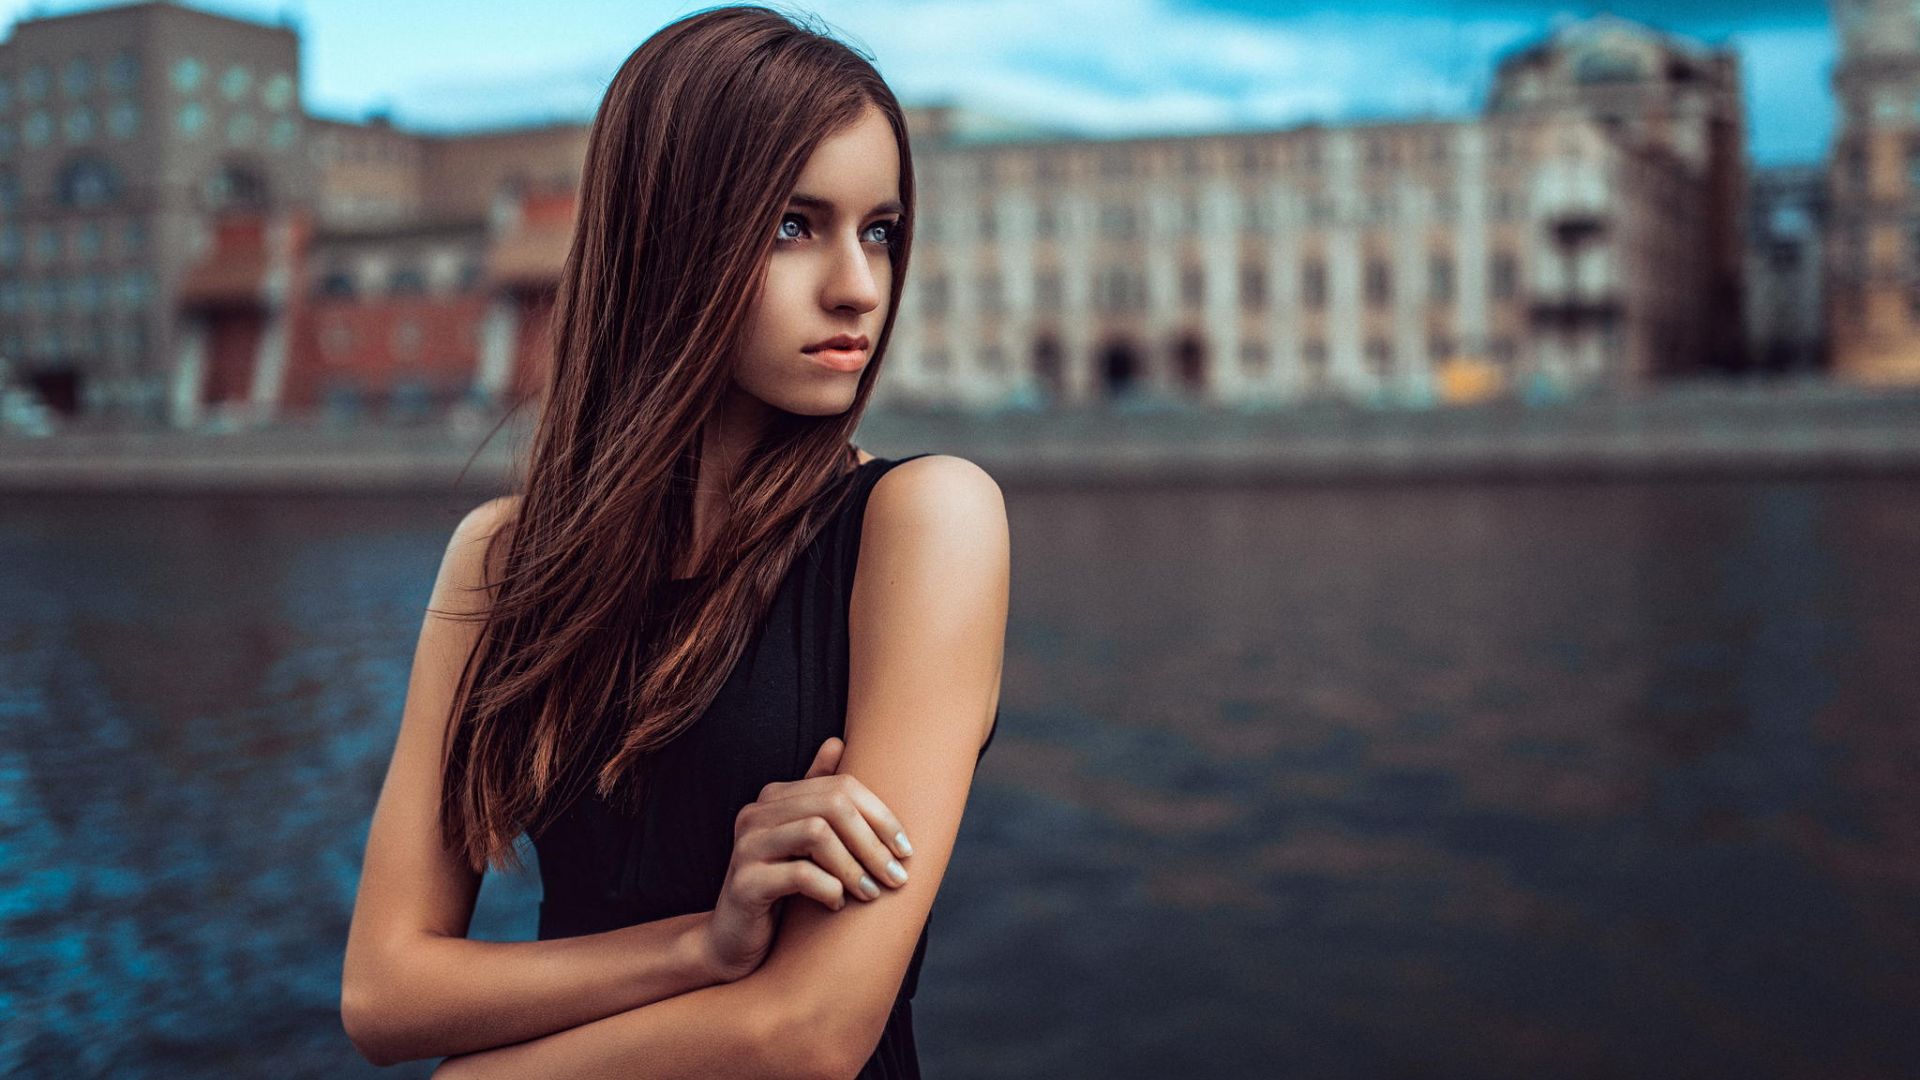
690, 160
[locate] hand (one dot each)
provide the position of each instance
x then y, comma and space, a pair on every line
819, 837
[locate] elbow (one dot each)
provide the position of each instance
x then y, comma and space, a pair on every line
817, 1044
358, 1017
369, 1026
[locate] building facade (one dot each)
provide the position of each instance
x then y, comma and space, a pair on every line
1574, 236
123, 131
1873, 238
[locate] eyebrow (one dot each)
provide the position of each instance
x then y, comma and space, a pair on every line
815, 202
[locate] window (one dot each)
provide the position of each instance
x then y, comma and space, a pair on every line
1379, 283
277, 92
1118, 289
1379, 358
933, 295
124, 72
1253, 358
1440, 278
988, 286
190, 119
123, 119
1313, 362
187, 74
1047, 289
77, 79
1505, 276
79, 124
1313, 284
1044, 223
336, 281
87, 182
1254, 213
1193, 285
234, 83
407, 279
34, 82
1253, 287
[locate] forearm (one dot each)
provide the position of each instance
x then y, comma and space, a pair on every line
449, 995
733, 1029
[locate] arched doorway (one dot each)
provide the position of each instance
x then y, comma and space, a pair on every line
1120, 368
1048, 370
1190, 365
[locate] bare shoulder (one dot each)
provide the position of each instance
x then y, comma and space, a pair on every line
472, 558
942, 492
486, 519
940, 512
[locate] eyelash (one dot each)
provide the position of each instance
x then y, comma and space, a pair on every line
892, 224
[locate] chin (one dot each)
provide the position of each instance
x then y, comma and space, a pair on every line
829, 403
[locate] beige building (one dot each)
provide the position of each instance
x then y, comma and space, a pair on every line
1584, 232
1873, 236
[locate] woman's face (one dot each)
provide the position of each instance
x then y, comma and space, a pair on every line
830, 274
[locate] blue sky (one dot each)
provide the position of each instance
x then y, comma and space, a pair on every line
1096, 66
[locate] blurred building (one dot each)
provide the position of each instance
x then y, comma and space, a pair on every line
1786, 280
1873, 241
1585, 231
122, 131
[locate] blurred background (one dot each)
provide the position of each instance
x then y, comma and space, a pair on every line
1462, 463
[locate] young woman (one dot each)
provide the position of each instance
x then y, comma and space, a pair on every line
728, 673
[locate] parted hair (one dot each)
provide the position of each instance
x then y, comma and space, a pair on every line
690, 159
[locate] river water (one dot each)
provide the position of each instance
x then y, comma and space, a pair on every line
1578, 779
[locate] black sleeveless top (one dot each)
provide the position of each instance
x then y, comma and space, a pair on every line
602, 869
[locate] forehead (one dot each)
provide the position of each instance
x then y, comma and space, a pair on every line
856, 168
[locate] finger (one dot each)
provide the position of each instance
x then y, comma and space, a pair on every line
826, 759
769, 881
880, 818
854, 812
816, 839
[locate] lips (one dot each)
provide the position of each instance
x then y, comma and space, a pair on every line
842, 342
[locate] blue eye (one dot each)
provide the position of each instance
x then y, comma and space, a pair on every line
892, 225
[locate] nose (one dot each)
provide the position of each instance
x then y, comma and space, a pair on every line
850, 280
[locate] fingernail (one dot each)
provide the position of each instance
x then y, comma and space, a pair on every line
869, 887
895, 871
900, 838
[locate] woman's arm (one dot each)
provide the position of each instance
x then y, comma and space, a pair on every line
412, 985
928, 625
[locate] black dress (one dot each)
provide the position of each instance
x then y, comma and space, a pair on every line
601, 869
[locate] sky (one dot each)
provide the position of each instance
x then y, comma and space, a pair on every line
1098, 67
